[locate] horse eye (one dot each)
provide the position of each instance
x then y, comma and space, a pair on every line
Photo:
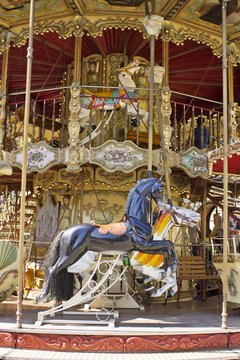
123, 74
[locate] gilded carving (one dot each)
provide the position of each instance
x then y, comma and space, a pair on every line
179, 35
5, 38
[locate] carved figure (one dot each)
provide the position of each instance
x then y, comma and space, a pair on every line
65, 214
120, 99
92, 73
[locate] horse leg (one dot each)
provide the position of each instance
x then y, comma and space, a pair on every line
159, 246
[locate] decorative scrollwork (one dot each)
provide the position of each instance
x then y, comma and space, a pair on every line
180, 35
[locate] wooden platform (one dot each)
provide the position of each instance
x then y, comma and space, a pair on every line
160, 328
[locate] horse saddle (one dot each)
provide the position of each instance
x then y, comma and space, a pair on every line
118, 228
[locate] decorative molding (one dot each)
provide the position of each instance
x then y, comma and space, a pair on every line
178, 36
114, 156
5, 38
214, 155
125, 343
193, 10
40, 157
7, 339
71, 343
234, 340
176, 342
77, 24
74, 157
175, 9
194, 162
66, 28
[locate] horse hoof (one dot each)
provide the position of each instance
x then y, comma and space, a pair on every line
150, 288
38, 299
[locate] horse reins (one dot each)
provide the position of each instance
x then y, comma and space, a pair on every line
147, 237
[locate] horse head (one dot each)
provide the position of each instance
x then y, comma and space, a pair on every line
125, 74
137, 198
157, 191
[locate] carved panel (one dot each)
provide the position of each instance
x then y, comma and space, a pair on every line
234, 340
68, 343
114, 156
121, 343
40, 157
7, 339
176, 343
194, 162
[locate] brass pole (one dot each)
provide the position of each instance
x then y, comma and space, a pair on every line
150, 116
4, 70
77, 58
230, 97
24, 165
82, 196
225, 166
165, 61
230, 81
204, 218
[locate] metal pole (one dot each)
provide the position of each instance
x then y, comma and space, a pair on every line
150, 119
225, 165
24, 166
204, 218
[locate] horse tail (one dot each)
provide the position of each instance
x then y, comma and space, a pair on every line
52, 254
61, 287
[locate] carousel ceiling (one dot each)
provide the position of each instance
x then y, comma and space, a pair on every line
193, 69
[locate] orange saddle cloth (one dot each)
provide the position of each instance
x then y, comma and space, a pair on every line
118, 228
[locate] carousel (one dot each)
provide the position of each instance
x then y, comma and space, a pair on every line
119, 163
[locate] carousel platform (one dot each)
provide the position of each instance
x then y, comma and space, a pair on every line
194, 326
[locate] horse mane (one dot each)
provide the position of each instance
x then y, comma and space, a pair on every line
138, 189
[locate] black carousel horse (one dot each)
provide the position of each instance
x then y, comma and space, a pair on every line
71, 244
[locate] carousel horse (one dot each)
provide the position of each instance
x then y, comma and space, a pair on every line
150, 265
114, 98
136, 234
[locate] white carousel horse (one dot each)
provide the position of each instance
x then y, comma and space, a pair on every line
127, 97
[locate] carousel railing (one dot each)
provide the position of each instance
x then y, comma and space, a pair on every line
49, 122
184, 122
233, 245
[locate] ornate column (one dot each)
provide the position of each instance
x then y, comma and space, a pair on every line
233, 107
153, 26
166, 109
74, 104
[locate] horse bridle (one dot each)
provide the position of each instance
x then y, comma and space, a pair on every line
147, 237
